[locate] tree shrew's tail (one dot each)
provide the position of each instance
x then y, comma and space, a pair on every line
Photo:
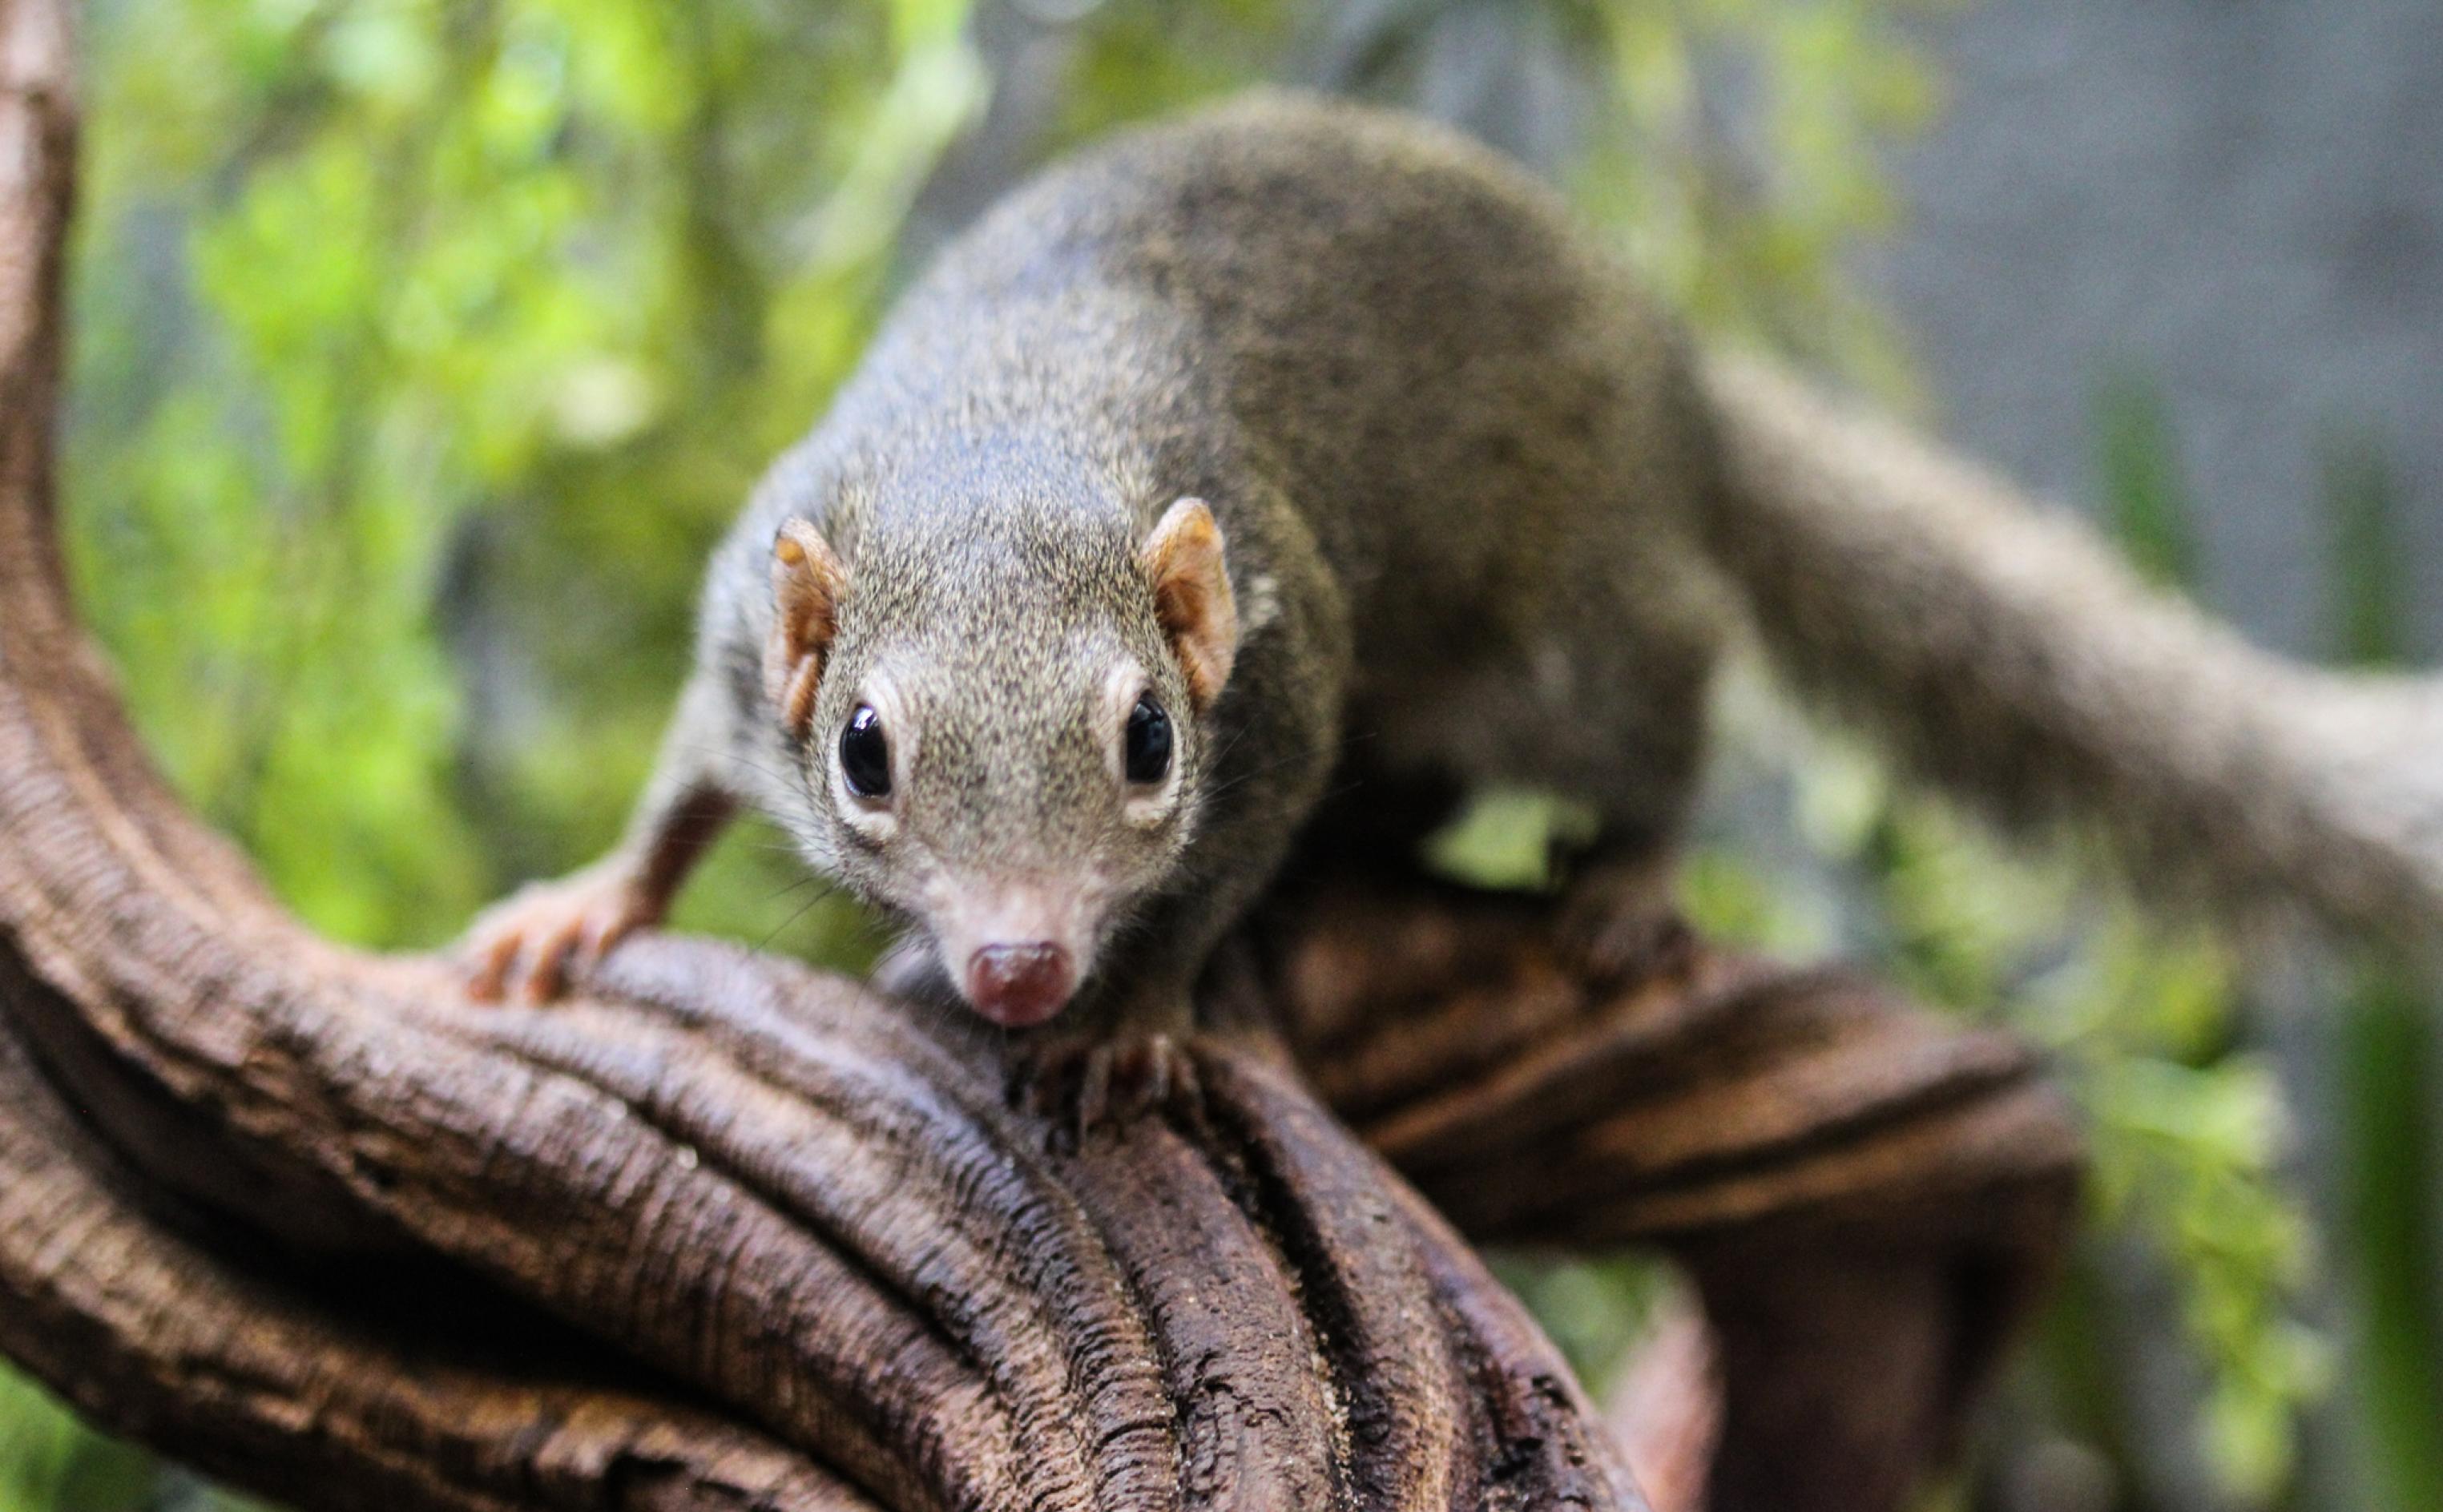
2003, 652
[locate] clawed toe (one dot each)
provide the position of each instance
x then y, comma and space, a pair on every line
531, 946
1083, 1085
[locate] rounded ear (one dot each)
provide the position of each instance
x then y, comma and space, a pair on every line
807, 580
1183, 561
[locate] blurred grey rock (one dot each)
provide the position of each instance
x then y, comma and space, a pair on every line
2240, 201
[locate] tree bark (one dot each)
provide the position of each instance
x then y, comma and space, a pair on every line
727, 1232
1869, 1199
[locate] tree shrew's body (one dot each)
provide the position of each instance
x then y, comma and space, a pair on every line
1297, 450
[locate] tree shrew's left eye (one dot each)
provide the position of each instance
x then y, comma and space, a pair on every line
1145, 747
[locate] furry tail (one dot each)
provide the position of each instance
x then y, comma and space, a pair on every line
2004, 653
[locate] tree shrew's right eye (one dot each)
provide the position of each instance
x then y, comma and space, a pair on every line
865, 754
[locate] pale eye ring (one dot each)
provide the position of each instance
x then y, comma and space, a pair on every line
1145, 744
865, 754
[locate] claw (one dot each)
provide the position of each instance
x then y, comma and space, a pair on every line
1082, 1085
533, 944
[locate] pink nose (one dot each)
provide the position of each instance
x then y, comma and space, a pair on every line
1016, 986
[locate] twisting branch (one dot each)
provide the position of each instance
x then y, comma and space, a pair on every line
282, 1376
1869, 1199
727, 1232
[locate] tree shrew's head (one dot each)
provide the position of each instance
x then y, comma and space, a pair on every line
1000, 716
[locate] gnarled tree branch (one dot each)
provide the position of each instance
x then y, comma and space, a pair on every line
1869, 1199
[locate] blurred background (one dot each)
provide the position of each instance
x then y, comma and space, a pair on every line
422, 349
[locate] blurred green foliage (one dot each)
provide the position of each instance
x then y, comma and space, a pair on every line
50, 1463
2389, 1064
423, 348
47, 1461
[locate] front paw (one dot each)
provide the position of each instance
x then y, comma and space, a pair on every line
1082, 1084
530, 944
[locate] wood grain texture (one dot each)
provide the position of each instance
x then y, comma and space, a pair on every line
1870, 1199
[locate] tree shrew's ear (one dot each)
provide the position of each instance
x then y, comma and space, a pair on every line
1183, 561
806, 583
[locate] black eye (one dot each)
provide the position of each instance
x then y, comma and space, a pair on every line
865, 755
1146, 749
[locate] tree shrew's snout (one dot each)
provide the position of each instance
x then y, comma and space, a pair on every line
1018, 950
1019, 985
